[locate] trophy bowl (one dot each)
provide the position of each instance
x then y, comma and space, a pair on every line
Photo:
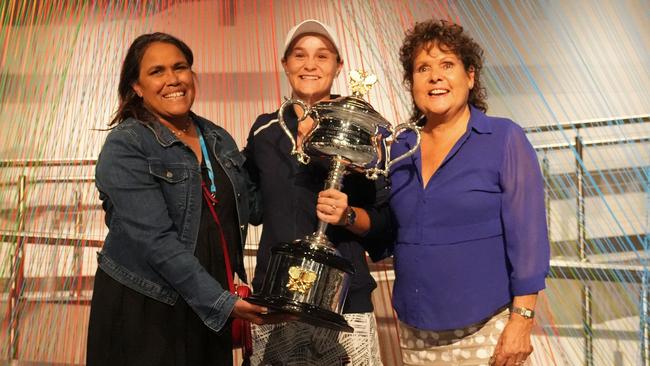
308, 277
347, 127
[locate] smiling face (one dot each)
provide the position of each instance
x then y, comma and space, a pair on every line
311, 67
166, 82
441, 84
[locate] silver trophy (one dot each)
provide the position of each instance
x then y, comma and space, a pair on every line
308, 277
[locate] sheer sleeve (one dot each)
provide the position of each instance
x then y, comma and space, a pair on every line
524, 215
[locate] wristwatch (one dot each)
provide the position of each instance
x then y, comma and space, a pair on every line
525, 312
350, 216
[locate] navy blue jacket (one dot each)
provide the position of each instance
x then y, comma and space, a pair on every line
289, 192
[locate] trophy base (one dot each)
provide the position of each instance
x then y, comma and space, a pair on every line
307, 279
306, 313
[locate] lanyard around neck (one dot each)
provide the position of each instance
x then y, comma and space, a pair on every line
206, 158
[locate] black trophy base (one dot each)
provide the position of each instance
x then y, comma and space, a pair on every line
306, 313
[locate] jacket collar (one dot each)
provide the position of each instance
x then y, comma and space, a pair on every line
166, 138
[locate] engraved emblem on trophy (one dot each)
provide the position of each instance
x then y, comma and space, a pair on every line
308, 277
301, 280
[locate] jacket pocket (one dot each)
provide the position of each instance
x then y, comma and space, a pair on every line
168, 172
173, 179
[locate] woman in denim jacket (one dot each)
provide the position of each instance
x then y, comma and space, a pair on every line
160, 295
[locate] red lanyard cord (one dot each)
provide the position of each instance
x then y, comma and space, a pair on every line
211, 200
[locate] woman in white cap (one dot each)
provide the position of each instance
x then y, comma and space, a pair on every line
290, 191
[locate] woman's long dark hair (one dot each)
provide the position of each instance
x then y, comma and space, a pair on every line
130, 103
448, 37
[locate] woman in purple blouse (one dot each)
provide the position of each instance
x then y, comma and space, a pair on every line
471, 249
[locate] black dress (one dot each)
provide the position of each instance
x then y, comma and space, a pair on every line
128, 328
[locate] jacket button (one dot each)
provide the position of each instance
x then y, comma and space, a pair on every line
169, 174
228, 164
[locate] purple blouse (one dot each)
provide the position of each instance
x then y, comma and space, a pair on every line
476, 235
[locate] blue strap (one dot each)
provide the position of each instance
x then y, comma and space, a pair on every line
206, 158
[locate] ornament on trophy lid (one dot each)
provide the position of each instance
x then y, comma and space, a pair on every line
361, 82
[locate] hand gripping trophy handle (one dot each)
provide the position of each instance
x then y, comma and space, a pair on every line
300, 155
373, 173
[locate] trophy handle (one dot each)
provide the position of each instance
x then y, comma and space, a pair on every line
382, 149
374, 173
302, 157
399, 129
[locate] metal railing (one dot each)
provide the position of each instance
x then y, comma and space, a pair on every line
583, 270
18, 283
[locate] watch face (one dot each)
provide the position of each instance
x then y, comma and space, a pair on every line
351, 217
526, 313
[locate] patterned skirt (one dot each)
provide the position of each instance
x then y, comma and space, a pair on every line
470, 346
296, 343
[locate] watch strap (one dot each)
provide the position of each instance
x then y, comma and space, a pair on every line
525, 312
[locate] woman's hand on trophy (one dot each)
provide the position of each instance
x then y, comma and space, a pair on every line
332, 206
259, 314
247, 311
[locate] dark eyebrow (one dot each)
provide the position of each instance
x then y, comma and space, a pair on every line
317, 50
154, 67
450, 58
180, 63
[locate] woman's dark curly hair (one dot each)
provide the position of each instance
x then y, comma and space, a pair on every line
449, 37
130, 103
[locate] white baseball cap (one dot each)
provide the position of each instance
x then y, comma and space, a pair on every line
312, 26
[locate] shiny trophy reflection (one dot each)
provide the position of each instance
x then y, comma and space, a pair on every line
308, 277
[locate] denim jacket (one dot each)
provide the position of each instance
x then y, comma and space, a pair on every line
150, 186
